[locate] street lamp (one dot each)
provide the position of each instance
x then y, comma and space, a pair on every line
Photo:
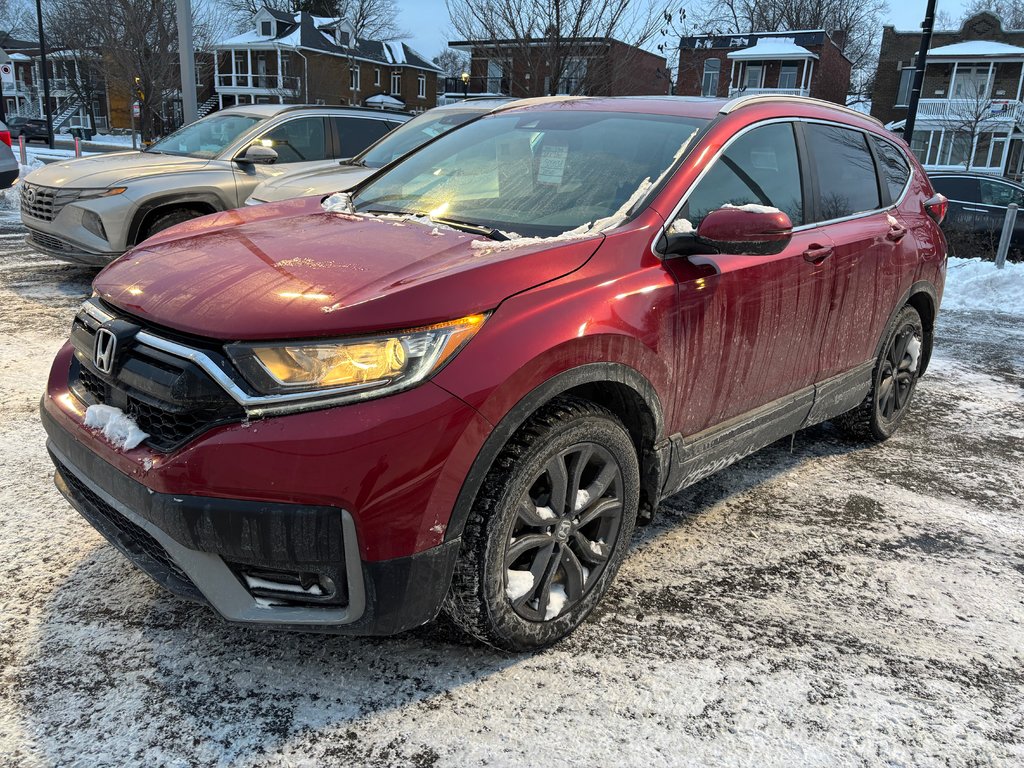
465, 85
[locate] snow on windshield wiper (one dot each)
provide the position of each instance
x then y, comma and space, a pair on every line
477, 229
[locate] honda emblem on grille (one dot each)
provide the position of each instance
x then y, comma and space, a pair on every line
103, 352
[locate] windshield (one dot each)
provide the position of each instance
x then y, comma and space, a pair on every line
535, 173
207, 137
412, 134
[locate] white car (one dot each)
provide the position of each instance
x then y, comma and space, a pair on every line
339, 177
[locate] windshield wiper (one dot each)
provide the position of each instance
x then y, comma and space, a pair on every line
477, 229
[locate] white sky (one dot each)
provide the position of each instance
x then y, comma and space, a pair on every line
430, 27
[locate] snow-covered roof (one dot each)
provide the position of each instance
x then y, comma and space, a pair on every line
383, 100
976, 49
773, 48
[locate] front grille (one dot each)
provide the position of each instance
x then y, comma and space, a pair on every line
129, 535
171, 399
45, 203
48, 242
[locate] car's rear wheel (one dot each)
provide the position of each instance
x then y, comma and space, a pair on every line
549, 529
893, 381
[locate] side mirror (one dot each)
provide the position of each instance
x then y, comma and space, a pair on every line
257, 153
754, 230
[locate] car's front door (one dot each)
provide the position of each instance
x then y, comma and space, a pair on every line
995, 198
748, 325
300, 142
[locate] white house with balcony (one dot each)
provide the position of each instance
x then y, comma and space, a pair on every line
793, 64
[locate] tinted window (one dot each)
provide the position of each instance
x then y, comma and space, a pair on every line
997, 193
845, 171
760, 167
298, 141
895, 170
356, 134
957, 188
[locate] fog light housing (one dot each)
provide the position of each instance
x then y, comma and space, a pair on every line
92, 222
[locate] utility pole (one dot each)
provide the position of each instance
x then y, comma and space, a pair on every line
187, 59
922, 60
45, 74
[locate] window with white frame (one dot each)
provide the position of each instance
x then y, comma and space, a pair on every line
787, 76
421, 86
906, 83
971, 81
396, 81
267, 28
709, 83
376, 76
754, 76
353, 77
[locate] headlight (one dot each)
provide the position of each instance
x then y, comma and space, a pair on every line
254, 201
87, 194
364, 367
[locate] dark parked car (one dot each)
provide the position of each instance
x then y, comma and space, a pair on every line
977, 209
32, 128
462, 385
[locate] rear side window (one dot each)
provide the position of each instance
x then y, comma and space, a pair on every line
845, 169
893, 164
964, 189
356, 134
760, 167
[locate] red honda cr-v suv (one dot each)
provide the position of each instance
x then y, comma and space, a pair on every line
462, 387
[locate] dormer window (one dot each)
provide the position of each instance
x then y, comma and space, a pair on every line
343, 38
267, 28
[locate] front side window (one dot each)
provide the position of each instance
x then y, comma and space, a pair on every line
709, 83
996, 193
421, 86
895, 170
353, 78
206, 138
396, 82
298, 141
761, 167
533, 174
847, 183
376, 76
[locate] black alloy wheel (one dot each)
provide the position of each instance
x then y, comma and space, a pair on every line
567, 525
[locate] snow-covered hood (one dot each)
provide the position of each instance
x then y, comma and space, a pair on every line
322, 180
111, 169
294, 270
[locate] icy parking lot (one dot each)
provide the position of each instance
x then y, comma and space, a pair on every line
829, 604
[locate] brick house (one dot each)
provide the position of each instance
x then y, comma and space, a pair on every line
970, 114
299, 58
594, 66
799, 63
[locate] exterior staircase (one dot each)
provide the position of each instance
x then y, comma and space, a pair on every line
208, 106
70, 107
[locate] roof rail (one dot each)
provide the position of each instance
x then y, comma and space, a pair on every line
760, 98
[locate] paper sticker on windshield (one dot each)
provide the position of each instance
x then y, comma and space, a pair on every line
552, 163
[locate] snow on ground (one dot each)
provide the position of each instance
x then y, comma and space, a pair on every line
837, 604
977, 284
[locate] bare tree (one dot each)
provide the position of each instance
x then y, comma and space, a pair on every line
80, 48
548, 36
451, 62
17, 19
372, 19
969, 115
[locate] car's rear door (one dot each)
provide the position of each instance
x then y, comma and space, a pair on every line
353, 134
748, 325
965, 213
874, 253
995, 197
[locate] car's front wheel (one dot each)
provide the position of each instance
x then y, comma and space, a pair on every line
549, 529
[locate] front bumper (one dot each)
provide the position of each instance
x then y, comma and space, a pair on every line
65, 250
205, 548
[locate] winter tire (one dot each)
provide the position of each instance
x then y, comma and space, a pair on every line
549, 528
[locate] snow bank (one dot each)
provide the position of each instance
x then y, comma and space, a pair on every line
977, 284
119, 428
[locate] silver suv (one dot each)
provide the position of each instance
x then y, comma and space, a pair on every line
93, 209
